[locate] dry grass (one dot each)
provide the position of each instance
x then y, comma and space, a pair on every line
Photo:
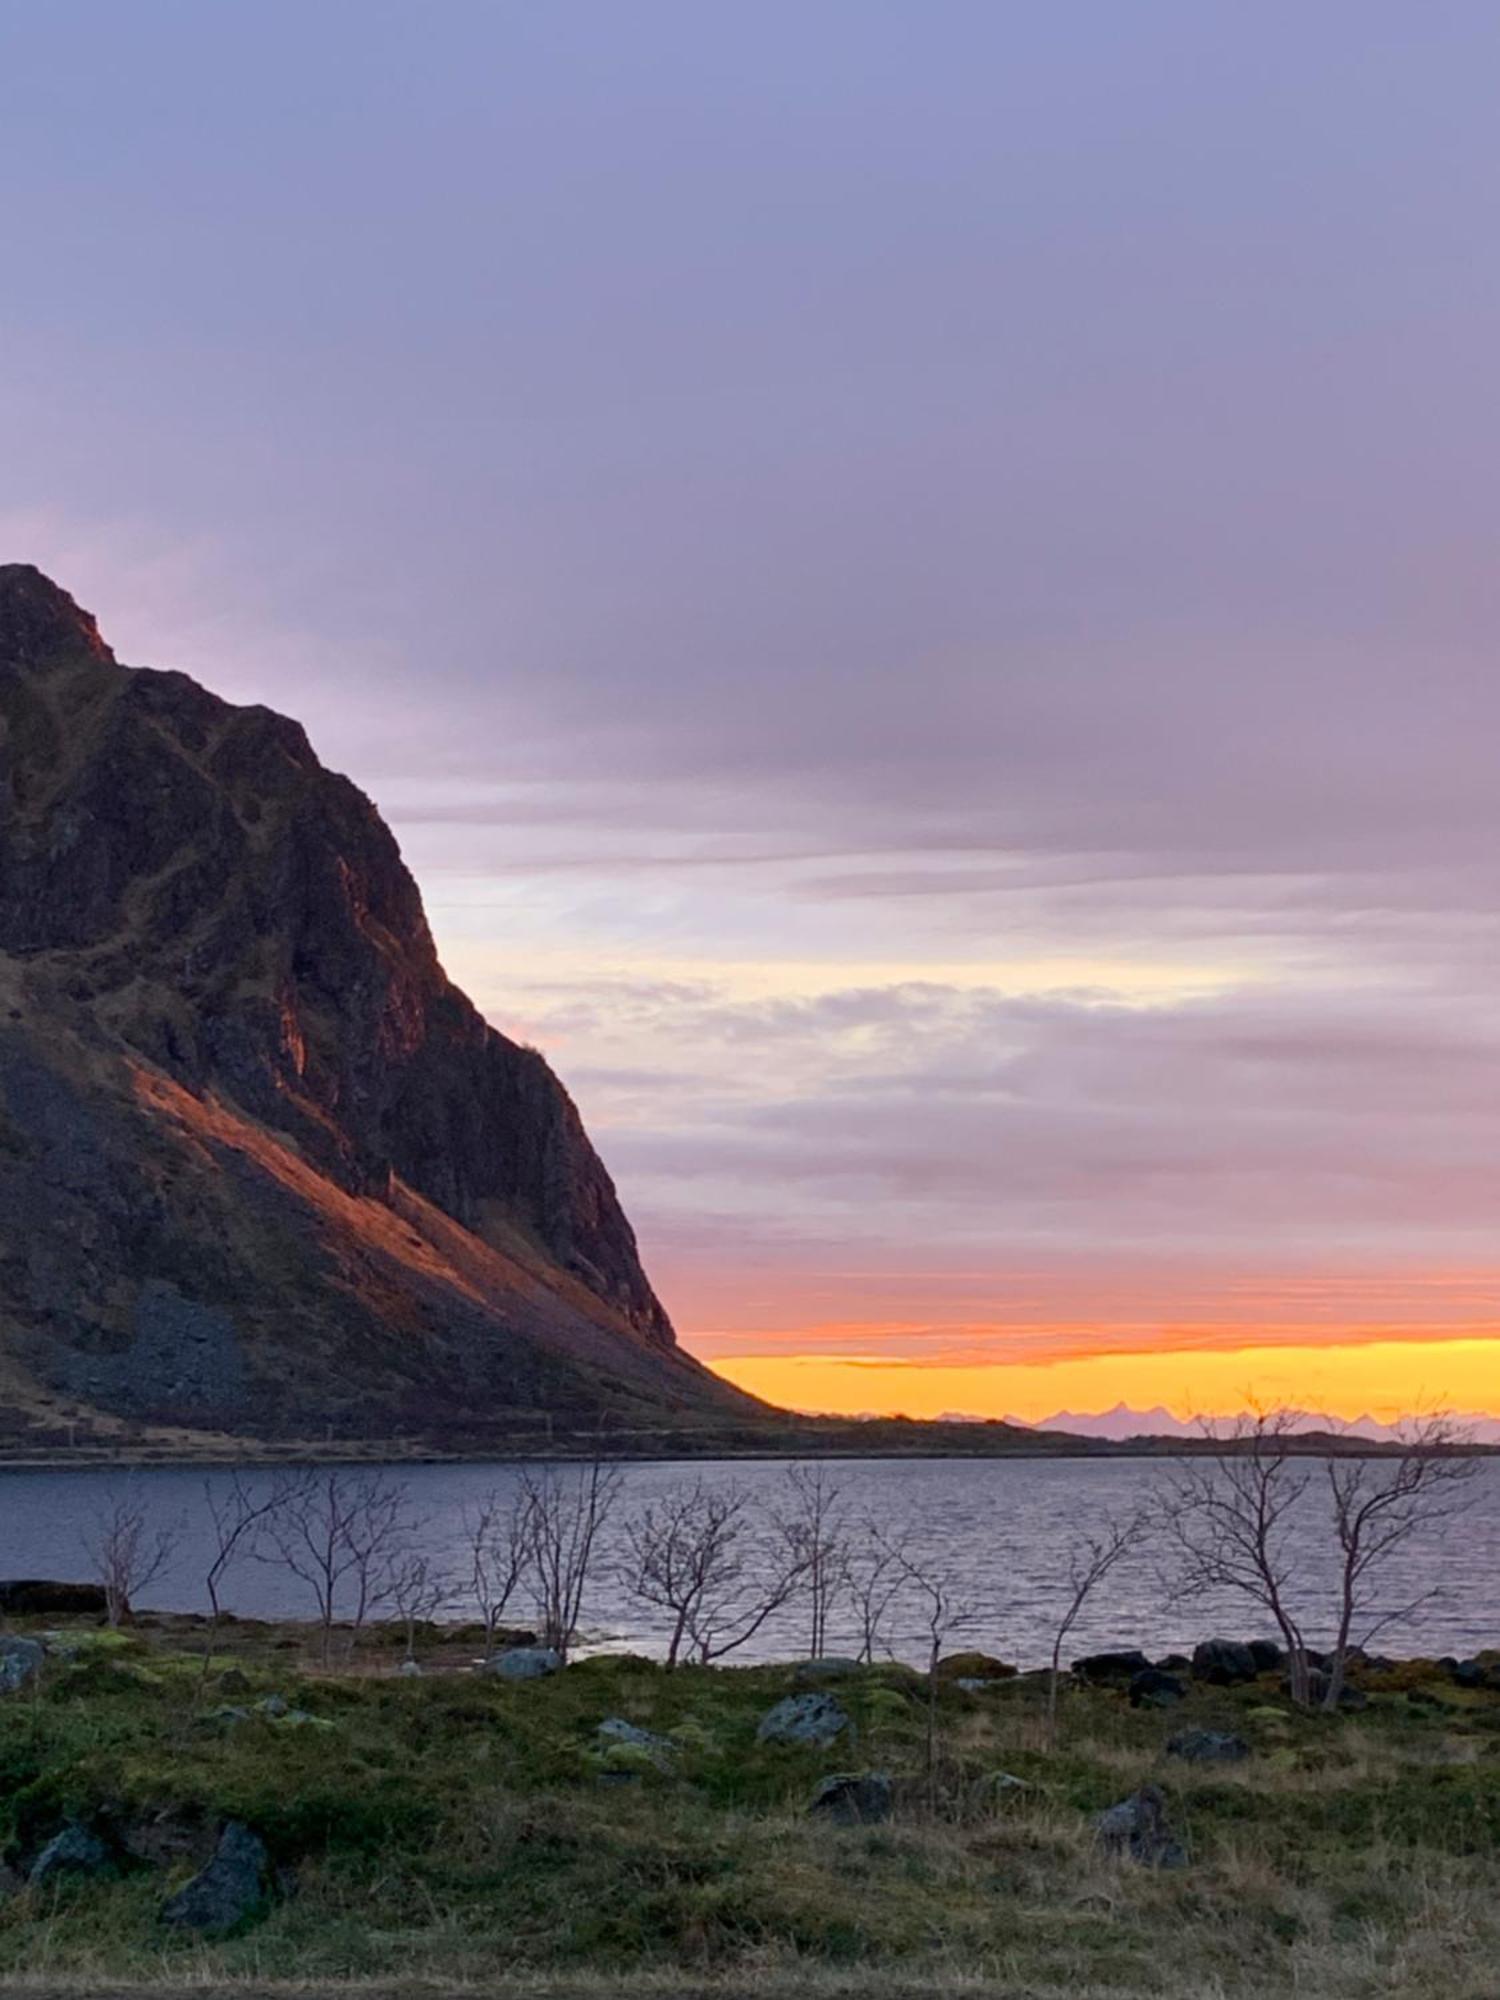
458, 1837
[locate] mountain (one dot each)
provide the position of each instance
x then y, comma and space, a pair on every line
264, 1170
1116, 1425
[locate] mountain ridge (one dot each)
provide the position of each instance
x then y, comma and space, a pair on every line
261, 1163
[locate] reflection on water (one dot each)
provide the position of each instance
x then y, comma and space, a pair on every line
999, 1528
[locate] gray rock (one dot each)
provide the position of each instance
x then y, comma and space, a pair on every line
273, 1705
852, 1798
1156, 1688
74, 1851
410, 1670
1208, 1746
526, 1663
1318, 1684
1137, 1826
1224, 1662
832, 1667
1123, 1666
815, 1719
20, 1663
615, 1730
234, 1885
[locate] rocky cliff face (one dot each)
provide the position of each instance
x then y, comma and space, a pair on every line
262, 1166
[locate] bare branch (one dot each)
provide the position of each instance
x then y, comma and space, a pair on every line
126, 1552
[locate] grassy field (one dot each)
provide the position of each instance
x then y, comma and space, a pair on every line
455, 1831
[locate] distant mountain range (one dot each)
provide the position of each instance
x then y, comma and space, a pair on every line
1122, 1422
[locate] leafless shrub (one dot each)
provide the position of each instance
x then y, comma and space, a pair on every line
811, 1521
236, 1519
1243, 1519
1231, 1518
126, 1552
699, 1553
1091, 1559
496, 1542
873, 1581
942, 1613
342, 1533
565, 1509
1377, 1504
419, 1589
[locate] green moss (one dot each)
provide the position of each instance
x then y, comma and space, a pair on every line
445, 1825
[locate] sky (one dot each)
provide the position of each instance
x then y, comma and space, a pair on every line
919, 585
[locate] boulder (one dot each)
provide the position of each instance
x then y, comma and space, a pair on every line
1268, 1656
832, 1667
1224, 1662
615, 1733
526, 1663
1175, 1663
1111, 1666
38, 1597
1137, 1826
1155, 1689
1208, 1746
1469, 1674
235, 1885
975, 1667
20, 1663
809, 1719
74, 1851
852, 1798
1318, 1684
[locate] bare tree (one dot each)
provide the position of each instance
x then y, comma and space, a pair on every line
341, 1533
1245, 1519
1091, 1559
236, 1518
497, 1544
873, 1580
942, 1613
698, 1553
419, 1590
1377, 1505
1231, 1517
565, 1510
127, 1553
812, 1523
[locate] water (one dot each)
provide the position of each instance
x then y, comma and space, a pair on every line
997, 1530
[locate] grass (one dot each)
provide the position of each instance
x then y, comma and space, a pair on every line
456, 1832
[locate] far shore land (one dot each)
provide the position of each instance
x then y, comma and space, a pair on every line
38, 1448
220, 1811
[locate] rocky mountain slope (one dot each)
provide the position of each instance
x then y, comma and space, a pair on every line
263, 1169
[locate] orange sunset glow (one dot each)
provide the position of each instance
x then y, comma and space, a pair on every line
1383, 1379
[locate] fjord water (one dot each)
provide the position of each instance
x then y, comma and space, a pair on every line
997, 1529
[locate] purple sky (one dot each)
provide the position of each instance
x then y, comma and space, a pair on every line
918, 581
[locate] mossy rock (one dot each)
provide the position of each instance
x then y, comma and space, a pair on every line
975, 1667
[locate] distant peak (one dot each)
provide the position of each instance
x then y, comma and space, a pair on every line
40, 623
